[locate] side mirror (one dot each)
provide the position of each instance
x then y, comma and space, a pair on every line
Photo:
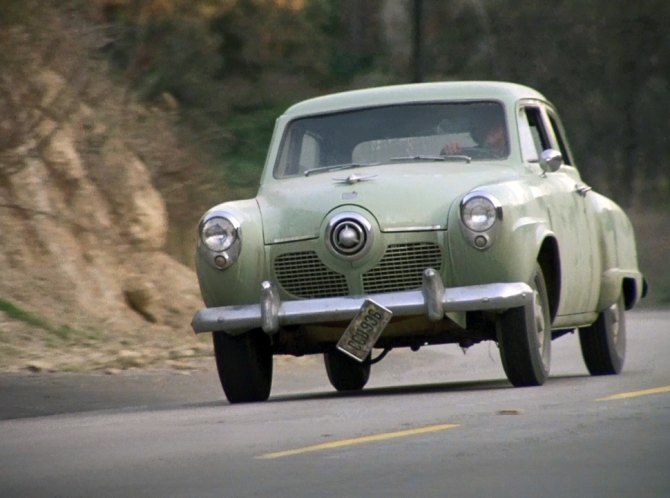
550, 161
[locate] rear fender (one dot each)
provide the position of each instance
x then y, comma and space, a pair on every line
616, 242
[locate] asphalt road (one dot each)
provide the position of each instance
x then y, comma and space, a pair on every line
431, 424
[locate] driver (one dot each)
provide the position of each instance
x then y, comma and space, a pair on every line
491, 139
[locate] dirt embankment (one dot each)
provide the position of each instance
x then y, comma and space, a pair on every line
89, 182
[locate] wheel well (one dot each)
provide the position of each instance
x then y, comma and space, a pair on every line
549, 261
629, 292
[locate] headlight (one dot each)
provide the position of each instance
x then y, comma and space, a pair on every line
220, 241
479, 213
218, 234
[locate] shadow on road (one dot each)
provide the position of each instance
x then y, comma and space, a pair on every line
24, 396
446, 387
409, 389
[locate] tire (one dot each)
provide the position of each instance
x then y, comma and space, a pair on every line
526, 351
344, 373
604, 342
244, 364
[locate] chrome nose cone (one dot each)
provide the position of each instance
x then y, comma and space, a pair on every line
349, 235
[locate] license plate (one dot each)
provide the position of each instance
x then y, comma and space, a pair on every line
364, 330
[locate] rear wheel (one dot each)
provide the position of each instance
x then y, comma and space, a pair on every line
244, 364
344, 373
525, 348
604, 342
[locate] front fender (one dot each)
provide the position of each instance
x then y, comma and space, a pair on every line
240, 283
512, 256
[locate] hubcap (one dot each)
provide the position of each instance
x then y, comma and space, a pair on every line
540, 324
614, 310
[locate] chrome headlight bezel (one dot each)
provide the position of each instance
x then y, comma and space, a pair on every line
218, 233
219, 238
480, 214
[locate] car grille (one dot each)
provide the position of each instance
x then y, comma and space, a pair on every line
402, 267
304, 275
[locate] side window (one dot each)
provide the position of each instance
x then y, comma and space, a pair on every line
558, 133
309, 153
532, 134
300, 151
528, 147
283, 160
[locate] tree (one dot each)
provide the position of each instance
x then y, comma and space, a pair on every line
607, 70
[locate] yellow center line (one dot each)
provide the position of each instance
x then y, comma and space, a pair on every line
359, 440
636, 394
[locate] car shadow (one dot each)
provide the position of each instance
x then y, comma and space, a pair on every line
485, 385
408, 389
385, 391
27, 397
399, 390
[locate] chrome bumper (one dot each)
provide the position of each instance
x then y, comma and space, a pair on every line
433, 300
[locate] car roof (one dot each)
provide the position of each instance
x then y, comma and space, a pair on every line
414, 93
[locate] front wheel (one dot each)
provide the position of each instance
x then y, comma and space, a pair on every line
604, 342
244, 364
344, 373
525, 348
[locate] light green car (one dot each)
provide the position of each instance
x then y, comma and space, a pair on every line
412, 215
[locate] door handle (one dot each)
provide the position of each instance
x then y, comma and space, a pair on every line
583, 189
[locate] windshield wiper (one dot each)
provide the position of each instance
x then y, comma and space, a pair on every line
454, 157
337, 167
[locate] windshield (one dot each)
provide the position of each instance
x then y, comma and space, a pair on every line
381, 135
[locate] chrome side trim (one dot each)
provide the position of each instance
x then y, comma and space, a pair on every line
427, 228
297, 238
271, 314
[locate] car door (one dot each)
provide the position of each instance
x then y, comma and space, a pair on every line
569, 213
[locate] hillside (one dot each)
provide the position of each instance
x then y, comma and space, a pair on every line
90, 181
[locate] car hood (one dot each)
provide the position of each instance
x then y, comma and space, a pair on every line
400, 197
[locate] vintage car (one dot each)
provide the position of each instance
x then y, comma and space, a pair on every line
412, 215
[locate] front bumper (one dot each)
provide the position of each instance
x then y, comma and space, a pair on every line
433, 300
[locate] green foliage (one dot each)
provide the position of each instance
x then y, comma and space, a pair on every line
230, 67
169, 51
14, 12
353, 31
250, 135
231, 64
606, 69
258, 37
244, 156
17, 313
